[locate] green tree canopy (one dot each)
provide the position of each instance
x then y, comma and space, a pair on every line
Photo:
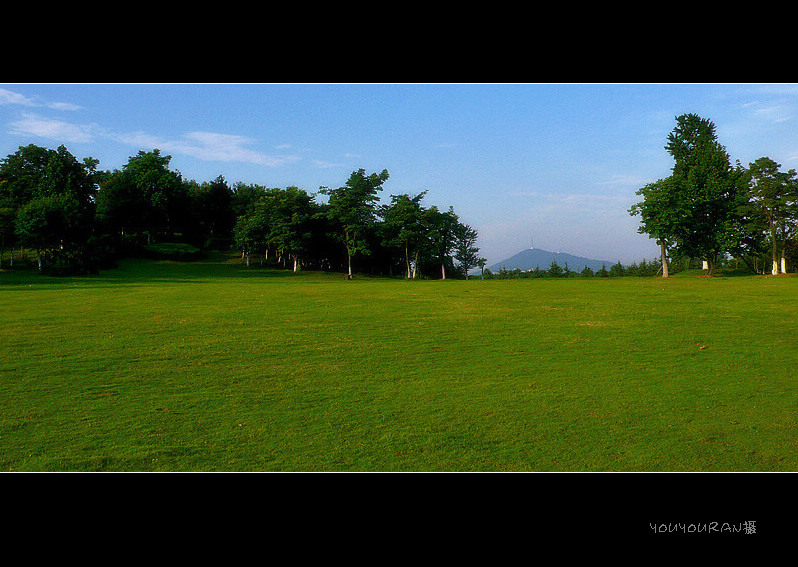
404, 225
693, 209
352, 208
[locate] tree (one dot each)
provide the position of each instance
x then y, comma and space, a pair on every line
246, 235
7, 232
404, 226
708, 185
21, 175
352, 208
466, 250
50, 196
692, 210
616, 270
481, 263
211, 212
49, 224
659, 215
771, 205
243, 197
442, 234
145, 196
290, 214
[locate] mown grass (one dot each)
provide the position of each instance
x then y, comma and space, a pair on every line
210, 366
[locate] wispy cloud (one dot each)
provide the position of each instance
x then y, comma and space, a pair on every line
326, 164
31, 124
11, 97
624, 180
771, 112
206, 146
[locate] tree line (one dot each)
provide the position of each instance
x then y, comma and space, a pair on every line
641, 269
79, 219
712, 210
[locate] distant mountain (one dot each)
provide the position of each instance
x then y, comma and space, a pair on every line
528, 259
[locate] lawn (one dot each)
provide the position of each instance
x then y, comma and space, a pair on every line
213, 366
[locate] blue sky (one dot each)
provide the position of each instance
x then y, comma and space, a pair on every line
556, 165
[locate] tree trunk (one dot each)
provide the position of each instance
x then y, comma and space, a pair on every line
775, 270
443, 271
295, 263
349, 260
407, 261
783, 265
664, 259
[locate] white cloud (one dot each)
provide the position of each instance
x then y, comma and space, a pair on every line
326, 164
207, 146
63, 106
210, 146
773, 113
31, 124
10, 97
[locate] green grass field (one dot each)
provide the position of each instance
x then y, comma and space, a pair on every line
210, 366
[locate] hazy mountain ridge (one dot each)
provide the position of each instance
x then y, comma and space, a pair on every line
530, 258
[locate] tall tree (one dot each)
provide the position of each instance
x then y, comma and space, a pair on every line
52, 195
773, 198
466, 249
145, 196
211, 219
708, 185
693, 209
352, 208
659, 215
290, 212
7, 232
442, 234
404, 225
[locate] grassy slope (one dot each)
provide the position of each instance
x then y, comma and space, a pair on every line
211, 366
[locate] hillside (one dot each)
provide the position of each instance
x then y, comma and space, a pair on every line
531, 257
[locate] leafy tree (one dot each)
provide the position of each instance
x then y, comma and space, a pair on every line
708, 186
772, 198
243, 197
211, 212
352, 208
481, 263
466, 250
290, 212
145, 196
50, 196
693, 209
49, 224
442, 234
405, 229
7, 232
616, 270
21, 175
555, 271
247, 235
660, 215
